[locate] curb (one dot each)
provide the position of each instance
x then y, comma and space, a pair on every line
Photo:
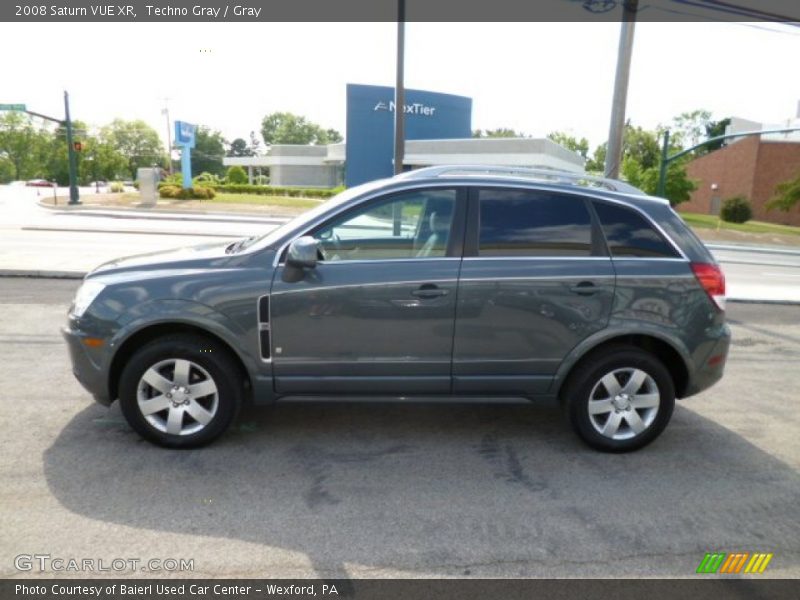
770, 302
35, 274
164, 209
753, 249
227, 236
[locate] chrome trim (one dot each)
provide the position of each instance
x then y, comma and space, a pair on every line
479, 258
656, 258
534, 278
383, 260
264, 327
369, 284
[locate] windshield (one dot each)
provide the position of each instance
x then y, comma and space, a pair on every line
299, 222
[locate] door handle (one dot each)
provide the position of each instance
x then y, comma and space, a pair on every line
429, 290
584, 288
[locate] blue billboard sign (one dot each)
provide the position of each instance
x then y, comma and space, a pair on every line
370, 126
185, 133
185, 138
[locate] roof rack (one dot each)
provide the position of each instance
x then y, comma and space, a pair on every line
540, 174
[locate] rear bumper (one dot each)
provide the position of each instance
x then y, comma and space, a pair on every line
88, 373
710, 371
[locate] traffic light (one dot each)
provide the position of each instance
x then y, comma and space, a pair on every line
77, 146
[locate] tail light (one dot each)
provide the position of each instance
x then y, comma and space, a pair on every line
713, 281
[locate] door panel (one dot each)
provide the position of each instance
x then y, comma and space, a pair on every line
535, 281
377, 314
517, 319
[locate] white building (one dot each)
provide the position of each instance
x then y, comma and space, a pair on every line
323, 166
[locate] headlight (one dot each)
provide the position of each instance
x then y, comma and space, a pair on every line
85, 296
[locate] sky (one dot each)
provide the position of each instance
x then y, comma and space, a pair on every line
531, 77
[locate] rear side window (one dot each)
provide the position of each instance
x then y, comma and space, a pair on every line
525, 223
629, 234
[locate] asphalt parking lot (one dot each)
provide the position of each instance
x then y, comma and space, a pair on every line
375, 490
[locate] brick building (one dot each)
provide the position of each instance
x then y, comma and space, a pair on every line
750, 167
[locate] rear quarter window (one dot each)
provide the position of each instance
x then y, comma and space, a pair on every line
629, 234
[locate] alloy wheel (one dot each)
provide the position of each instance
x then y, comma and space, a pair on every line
177, 396
624, 403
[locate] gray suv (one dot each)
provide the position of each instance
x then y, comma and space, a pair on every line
448, 281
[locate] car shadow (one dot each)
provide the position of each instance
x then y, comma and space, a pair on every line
439, 489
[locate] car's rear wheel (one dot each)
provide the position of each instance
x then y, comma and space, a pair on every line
180, 391
620, 399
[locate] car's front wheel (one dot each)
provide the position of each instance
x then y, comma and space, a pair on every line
619, 400
180, 391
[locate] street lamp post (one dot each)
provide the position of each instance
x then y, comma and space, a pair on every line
616, 128
399, 90
73, 162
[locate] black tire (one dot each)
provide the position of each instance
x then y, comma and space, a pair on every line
618, 361
210, 357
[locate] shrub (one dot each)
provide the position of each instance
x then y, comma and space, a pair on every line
235, 175
270, 190
176, 192
206, 178
116, 187
736, 210
261, 180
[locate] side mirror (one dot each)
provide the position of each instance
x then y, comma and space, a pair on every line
302, 253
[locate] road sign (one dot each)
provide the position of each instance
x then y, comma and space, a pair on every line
19, 107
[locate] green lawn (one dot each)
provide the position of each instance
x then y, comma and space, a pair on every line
226, 198
712, 222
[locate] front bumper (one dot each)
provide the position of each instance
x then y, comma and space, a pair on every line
87, 369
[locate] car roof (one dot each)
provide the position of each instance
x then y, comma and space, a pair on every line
541, 179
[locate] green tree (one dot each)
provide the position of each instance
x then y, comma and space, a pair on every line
678, 187
334, 137
208, 151
579, 146
786, 196
288, 128
6, 170
24, 146
255, 145
500, 132
137, 142
236, 175
101, 161
637, 144
713, 129
690, 128
641, 158
239, 147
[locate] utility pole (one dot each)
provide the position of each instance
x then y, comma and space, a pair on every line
617, 127
73, 163
165, 112
399, 90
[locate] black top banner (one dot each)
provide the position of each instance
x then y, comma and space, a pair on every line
781, 11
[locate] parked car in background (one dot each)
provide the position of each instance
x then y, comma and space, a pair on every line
39, 183
448, 281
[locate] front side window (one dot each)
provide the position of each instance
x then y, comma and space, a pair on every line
409, 225
527, 223
629, 234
